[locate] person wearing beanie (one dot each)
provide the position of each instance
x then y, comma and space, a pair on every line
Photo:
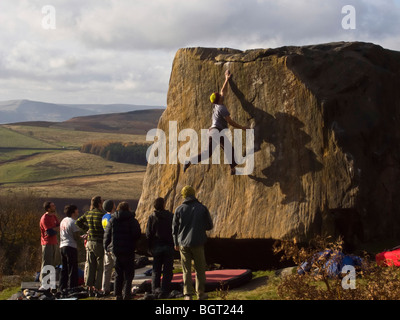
220, 120
109, 208
189, 225
187, 191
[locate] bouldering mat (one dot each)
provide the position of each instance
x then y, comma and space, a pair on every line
226, 279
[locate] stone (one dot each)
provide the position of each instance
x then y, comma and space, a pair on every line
284, 272
327, 121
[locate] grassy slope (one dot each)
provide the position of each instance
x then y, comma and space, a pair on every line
124, 186
59, 165
7, 155
12, 139
70, 138
64, 173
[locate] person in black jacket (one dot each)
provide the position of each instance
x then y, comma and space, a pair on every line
121, 234
161, 246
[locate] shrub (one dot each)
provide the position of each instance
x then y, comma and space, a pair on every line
373, 282
19, 233
134, 153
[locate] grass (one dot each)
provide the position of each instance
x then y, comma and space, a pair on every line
71, 174
263, 286
112, 186
7, 293
10, 285
71, 138
12, 139
60, 165
8, 155
64, 173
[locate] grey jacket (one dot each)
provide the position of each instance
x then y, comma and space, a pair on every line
190, 223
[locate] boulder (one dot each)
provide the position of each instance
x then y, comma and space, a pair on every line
327, 141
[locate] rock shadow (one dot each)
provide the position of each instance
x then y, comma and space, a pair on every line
292, 159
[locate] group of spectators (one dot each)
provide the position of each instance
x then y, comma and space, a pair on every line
111, 233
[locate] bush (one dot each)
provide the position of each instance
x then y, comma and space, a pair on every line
19, 233
134, 153
373, 282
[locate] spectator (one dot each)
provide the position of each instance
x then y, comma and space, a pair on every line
91, 222
190, 223
120, 237
69, 235
49, 226
161, 245
109, 208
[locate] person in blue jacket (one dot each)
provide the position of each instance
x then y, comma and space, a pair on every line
109, 208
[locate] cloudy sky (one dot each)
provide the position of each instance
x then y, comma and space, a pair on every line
121, 51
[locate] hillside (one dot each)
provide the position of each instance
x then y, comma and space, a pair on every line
43, 161
43, 157
134, 122
26, 110
11, 139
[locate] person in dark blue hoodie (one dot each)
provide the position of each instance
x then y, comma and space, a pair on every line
121, 234
161, 246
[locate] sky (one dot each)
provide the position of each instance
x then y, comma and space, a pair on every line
121, 51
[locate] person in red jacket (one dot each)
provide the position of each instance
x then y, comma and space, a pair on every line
49, 227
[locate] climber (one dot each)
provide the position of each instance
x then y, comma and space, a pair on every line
220, 120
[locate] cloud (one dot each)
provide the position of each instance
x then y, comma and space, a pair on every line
167, 25
122, 50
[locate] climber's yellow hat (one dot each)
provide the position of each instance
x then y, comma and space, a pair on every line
214, 97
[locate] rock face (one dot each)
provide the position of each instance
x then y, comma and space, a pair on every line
328, 130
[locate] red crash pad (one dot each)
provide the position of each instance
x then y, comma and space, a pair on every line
388, 258
227, 278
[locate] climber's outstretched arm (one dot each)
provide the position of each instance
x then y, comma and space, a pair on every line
223, 92
225, 87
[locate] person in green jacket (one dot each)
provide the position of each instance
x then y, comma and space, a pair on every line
91, 222
189, 225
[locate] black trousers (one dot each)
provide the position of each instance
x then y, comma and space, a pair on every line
69, 271
211, 147
125, 272
163, 263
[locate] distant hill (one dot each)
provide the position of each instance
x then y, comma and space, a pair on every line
133, 122
26, 110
